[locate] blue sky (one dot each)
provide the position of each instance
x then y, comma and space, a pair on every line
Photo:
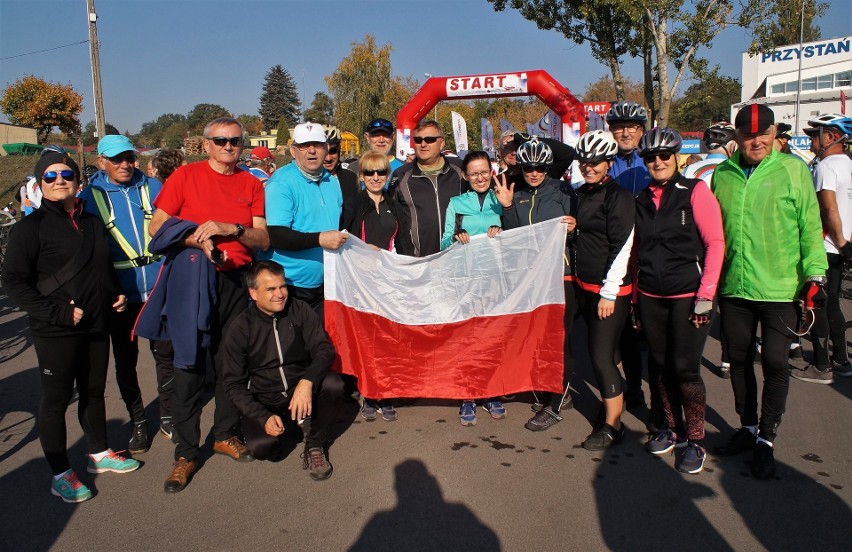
166, 56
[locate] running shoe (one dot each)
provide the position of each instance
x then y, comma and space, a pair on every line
795, 351
692, 459
388, 411
763, 461
69, 488
495, 408
544, 419
664, 442
369, 410
812, 374
139, 442
725, 368
112, 462
316, 463
467, 413
166, 427
741, 441
604, 437
842, 369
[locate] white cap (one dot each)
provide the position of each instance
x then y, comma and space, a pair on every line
308, 132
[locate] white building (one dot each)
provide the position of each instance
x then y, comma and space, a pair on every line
772, 78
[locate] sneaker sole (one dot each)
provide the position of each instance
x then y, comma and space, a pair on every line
468, 423
661, 452
813, 380
138, 451
54, 492
495, 416
370, 418
692, 472
113, 470
322, 477
389, 418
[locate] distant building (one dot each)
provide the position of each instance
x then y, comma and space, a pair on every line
772, 78
17, 134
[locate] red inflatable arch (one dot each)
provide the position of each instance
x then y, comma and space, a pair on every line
467, 87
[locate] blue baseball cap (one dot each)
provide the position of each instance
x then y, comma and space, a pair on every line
113, 144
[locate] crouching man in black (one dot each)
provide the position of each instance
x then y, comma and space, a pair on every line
277, 358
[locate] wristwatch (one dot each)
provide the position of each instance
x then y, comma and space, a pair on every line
240, 230
821, 280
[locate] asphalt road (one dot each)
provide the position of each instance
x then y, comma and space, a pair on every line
427, 483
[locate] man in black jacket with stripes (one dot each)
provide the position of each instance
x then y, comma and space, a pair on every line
277, 365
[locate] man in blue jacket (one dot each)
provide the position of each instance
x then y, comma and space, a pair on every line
122, 196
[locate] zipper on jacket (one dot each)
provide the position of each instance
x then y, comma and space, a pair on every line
139, 246
280, 356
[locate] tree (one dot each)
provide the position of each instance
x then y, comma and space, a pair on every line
777, 23
89, 138
360, 85
603, 90
705, 102
605, 24
174, 135
202, 114
321, 110
280, 98
252, 123
36, 103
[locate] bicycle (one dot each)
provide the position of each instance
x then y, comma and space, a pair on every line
6, 222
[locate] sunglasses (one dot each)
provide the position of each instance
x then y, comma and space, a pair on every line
380, 124
129, 157
222, 140
427, 139
652, 157
534, 168
50, 176
380, 172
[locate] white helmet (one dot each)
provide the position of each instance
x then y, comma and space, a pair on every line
596, 146
535, 153
332, 134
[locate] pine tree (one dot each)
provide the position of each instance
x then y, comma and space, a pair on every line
280, 99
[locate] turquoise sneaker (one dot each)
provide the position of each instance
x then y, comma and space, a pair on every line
69, 488
112, 462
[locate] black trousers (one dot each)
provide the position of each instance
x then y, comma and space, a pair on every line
62, 361
830, 322
740, 318
603, 339
555, 399
126, 354
188, 384
326, 400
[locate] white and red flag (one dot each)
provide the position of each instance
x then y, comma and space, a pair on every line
473, 321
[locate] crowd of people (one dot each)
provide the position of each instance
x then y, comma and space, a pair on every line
219, 264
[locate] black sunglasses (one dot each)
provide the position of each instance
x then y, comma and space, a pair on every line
427, 139
663, 157
128, 156
533, 168
50, 176
380, 123
222, 140
380, 172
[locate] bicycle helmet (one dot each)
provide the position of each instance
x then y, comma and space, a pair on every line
626, 112
54, 148
596, 146
841, 123
659, 140
535, 153
332, 134
719, 134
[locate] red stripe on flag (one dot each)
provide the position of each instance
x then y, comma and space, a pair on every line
754, 118
474, 359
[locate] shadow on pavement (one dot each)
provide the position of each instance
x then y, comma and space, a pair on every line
15, 334
19, 396
422, 520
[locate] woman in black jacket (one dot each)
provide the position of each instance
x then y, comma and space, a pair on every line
58, 270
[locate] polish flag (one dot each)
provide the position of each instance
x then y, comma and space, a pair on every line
473, 321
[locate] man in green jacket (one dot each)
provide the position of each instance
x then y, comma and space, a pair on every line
773, 274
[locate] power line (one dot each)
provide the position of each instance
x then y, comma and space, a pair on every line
42, 51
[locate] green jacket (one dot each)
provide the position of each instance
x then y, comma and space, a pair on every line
464, 213
773, 233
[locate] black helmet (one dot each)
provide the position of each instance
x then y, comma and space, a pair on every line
659, 140
719, 134
626, 112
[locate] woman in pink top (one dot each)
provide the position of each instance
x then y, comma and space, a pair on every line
678, 256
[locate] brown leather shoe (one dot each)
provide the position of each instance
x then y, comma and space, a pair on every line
233, 448
182, 472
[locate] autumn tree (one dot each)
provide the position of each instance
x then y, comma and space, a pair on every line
280, 98
778, 22
252, 123
321, 110
705, 102
201, 114
603, 90
33, 102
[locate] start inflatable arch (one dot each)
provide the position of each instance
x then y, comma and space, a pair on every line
468, 87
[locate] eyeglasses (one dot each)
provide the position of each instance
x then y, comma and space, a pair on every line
477, 175
127, 156
380, 172
50, 176
380, 123
222, 140
427, 139
534, 168
631, 129
663, 157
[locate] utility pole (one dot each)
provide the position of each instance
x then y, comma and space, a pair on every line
100, 121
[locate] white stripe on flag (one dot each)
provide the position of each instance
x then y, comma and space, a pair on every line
516, 272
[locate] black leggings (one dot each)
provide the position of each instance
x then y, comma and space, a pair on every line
830, 321
61, 362
739, 326
326, 400
555, 399
603, 339
677, 346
